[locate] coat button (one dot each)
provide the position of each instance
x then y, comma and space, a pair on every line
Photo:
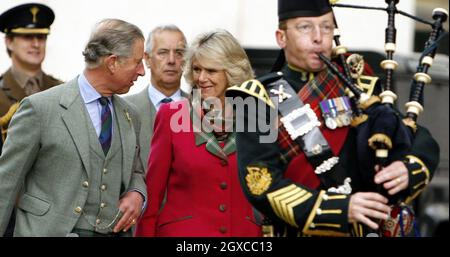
105, 170
103, 188
223, 230
223, 162
222, 207
98, 221
78, 209
223, 185
102, 205
85, 184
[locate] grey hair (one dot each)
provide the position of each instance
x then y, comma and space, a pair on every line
111, 37
151, 36
221, 49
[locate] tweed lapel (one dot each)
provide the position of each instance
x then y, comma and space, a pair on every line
74, 118
127, 136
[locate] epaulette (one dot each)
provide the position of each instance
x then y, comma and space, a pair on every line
367, 84
255, 87
270, 77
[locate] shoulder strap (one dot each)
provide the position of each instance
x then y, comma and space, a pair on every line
251, 87
302, 125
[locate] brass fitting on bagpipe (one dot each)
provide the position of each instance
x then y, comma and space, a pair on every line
415, 105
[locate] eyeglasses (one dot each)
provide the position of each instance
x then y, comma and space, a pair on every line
308, 28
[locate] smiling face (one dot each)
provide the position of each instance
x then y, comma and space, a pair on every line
166, 59
304, 37
27, 51
211, 80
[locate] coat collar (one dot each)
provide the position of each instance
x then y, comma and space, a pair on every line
208, 138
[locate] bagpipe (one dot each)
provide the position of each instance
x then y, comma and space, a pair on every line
385, 135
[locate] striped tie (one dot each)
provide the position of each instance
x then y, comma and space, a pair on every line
106, 130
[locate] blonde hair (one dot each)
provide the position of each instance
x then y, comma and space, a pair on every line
224, 51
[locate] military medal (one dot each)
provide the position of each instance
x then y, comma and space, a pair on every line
336, 112
328, 113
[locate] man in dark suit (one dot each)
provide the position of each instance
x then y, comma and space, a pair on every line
26, 28
164, 51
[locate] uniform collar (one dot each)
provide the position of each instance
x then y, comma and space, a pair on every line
23, 78
297, 77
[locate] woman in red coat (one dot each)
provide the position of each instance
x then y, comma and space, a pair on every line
192, 179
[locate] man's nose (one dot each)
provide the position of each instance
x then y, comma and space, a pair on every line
317, 35
171, 57
141, 70
35, 41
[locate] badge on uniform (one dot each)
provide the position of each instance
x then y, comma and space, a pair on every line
336, 112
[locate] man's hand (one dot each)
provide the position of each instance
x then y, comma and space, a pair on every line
364, 206
394, 177
131, 206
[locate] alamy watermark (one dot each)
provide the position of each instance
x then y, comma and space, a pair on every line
236, 114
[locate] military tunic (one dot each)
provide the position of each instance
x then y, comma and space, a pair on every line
280, 182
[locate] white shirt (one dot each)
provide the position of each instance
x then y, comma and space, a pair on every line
156, 97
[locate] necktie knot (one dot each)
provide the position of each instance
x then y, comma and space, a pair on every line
32, 86
166, 100
103, 100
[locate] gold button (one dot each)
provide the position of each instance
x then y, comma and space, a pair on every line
103, 187
223, 163
222, 207
85, 184
105, 170
102, 205
223, 185
223, 230
97, 221
78, 209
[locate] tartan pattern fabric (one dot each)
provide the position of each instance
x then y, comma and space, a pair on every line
212, 144
325, 85
106, 127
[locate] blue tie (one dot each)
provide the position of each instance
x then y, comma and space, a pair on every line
106, 130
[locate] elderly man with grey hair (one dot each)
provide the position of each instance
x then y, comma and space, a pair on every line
75, 147
164, 52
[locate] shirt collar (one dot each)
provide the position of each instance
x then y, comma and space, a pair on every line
23, 78
87, 91
156, 96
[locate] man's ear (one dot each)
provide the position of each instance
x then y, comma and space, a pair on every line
8, 43
111, 63
280, 35
147, 60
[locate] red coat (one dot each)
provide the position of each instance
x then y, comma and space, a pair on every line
204, 196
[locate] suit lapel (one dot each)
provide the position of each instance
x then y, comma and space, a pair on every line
75, 120
127, 136
12, 87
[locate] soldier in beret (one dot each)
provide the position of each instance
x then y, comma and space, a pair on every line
307, 181
26, 28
